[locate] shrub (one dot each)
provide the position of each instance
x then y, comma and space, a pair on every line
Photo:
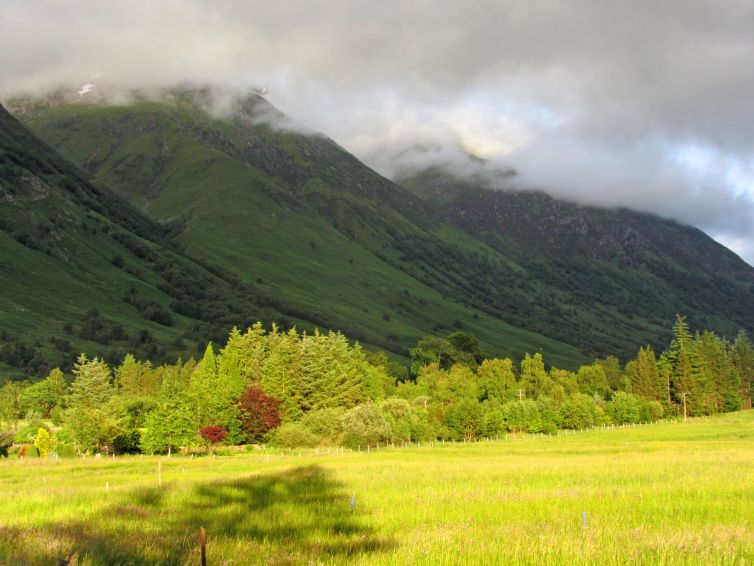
260, 413
401, 417
522, 416
656, 410
325, 423
580, 411
465, 420
294, 435
213, 434
56, 415
550, 417
43, 443
28, 434
365, 425
6, 441
493, 419
65, 450
625, 408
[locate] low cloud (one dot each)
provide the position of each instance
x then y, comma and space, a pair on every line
644, 105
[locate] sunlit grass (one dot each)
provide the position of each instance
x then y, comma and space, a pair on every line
680, 493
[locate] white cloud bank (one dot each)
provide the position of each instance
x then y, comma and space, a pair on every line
640, 104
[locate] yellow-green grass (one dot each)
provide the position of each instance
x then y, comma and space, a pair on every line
673, 493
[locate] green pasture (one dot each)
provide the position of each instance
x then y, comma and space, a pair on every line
668, 493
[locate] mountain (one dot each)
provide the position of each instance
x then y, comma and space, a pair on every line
303, 221
82, 270
644, 267
248, 248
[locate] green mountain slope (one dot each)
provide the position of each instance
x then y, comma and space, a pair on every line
645, 267
82, 270
343, 247
247, 221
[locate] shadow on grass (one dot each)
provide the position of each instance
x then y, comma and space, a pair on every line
291, 517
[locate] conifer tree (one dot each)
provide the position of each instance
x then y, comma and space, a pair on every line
173, 423
743, 361
136, 379
282, 373
687, 375
92, 388
643, 376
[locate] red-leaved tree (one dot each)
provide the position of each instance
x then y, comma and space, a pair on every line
260, 413
213, 435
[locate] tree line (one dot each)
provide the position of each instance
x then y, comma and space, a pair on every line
299, 389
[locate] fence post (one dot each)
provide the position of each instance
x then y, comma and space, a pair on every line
203, 542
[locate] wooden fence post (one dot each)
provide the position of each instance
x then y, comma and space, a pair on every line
203, 542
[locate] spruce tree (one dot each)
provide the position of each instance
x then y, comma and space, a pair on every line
687, 373
92, 387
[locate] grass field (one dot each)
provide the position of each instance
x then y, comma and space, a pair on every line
671, 493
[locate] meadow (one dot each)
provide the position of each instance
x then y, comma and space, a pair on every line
667, 493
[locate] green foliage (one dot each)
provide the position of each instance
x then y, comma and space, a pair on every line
464, 420
580, 411
47, 394
625, 408
6, 441
65, 450
10, 403
534, 378
93, 429
92, 387
325, 423
497, 381
522, 416
172, 424
336, 395
592, 380
458, 348
366, 425
295, 435
43, 443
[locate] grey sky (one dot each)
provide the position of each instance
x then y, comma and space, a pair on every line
643, 104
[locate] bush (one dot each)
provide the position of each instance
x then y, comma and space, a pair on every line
465, 420
522, 416
655, 410
401, 417
325, 423
28, 434
294, 435
260, 413
550, 417
493, 419
65, 450
44, 443
625, 408
56, 415
365, 425
580, 411
6, 441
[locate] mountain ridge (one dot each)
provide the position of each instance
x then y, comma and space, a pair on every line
305, 221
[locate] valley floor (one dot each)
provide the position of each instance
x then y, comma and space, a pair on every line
668, 493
